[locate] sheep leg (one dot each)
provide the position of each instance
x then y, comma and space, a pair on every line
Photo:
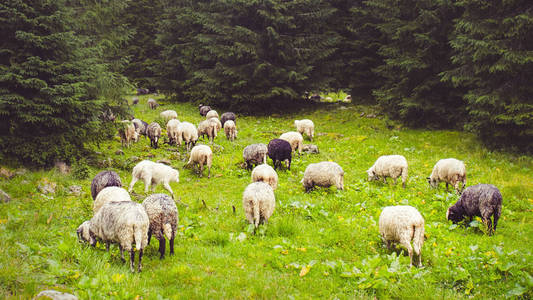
171, 244
488, 221
139, 268
167, 187
446, 186
394, 181
201, 169
161, 247
121, 253
133, 181
149, 235
147, 183
407, 245
107, 246
384, 180
208, 172
497, 214
132, 260
289, 166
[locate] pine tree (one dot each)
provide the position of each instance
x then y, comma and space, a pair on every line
494, 60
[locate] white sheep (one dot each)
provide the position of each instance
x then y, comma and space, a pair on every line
168, 115
124, 223
267, 174
305, 126
230, 130
392, 166
206, 127
201, 155
295, 139
254, 154
163, 215
108, 194
449, 170
173, 131
152, 174
211, 114
403, 224
152, 103
127, 133
324, 174
187, 133
258, 202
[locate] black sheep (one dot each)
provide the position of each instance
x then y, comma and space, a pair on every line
482, 200
279, 150
103, 180
204, 109
227, 116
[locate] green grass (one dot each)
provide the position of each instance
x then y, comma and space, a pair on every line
328, 237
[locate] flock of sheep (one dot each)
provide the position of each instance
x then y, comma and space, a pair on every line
118, 219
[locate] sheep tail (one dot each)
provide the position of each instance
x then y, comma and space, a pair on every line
138, 235
418, 238
167, 230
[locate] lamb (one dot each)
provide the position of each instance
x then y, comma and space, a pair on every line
324, 174
403, 224
168, 115
258, 202
267, 174
482, 200
227, 116
254, 154
280, 150
135, 100
140, 126
449, 170
173, 131
152, 104
163, 215
201, 155
154, 133
127, 133
103, 180
209, 128
295, 139
211, 114
310, 148
230, 130
123, 223
305, 126
204, 109
108, 194
392, 166
152, 174
187, 132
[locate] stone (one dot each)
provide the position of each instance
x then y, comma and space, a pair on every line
6, 173
119, 152
62, 167
75, 190
47, 187
55, 295
4, 197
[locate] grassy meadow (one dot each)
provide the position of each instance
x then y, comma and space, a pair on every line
324, 244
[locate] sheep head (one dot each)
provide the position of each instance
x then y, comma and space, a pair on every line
371, 174
454, 214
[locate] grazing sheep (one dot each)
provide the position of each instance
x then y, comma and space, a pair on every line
152, 103
295, 139
254, 154
227, 116
187, 132
305, 126
230, 130
209, 128
127, 133
168, 115
152, 174
258, 202
392, 166
204, 109
140, 126
163, 215
482, 200
403, 224
103, 180
310, 148
153, 131
266, 174
449, 170
108, 194
201, 155
123, 223
135, 100
280, 150
324, 174
173, 131
211, 114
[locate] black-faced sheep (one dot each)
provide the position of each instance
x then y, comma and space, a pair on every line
227, 116
280, 150
124, 223
324, 174
152, 104
482, 200
187, 133
266, 174
258, 201
305, 126
403, 224
204, 109
254, 154
108, 194
392, 166
201, 155
163, 215
295, 139
152, 174
449, 170
230, 130
103, 180
154, 133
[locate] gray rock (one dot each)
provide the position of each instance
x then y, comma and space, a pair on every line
21, 171
62, 167
119, 152
55, 295
47, 187
6, 173
75, 190
4, 197
310, 148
